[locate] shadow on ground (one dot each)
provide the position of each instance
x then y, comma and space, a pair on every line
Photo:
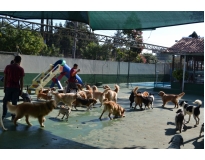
36, 138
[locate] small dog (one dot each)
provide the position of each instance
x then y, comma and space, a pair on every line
176, 141
45, 96
179, 120
192, 110
26, 97
65, 111
1, 120
36, 110
84, 102
170, 98
112, 108
148, 100
201, 130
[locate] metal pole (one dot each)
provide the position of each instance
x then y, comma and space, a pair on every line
184, 73
75, 39
128, 74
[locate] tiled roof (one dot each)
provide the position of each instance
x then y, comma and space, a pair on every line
188, 45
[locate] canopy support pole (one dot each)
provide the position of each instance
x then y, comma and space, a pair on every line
184, 69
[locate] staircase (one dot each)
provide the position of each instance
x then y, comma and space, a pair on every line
42, 79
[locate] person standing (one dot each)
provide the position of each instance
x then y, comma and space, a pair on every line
13, 84
72, 78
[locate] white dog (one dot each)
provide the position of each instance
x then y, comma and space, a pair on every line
1, 120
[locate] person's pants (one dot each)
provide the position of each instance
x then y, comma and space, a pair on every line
71, 85
11, 94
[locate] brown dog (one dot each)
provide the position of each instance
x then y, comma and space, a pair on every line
113, 108
170, 98
138, 97
84, 102
36, 110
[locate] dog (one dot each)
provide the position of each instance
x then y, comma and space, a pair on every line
65, 111
137, 98
87, 87
192, 110
201, 130
176, 141
111, 95
113, 108
84, 102
179, 120
151, 95
95, 88
100, 95
36, 110
66, 98
1, 120
26, 97
147, 100
46, 96
170, 98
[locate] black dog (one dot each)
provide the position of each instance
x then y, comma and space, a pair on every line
148, 100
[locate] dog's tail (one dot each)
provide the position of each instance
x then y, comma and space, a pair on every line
11, 108
179, 96
198, 102
117, 88
135, 90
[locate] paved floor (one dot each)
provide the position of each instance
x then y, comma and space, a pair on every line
147, 129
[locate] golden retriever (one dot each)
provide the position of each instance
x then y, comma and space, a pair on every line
112, 94
113, 108
36, 110
170, 98
66, 98
100, 95
95, 88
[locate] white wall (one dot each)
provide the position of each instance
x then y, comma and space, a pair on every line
38, 64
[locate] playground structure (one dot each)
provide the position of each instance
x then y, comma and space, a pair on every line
60, 67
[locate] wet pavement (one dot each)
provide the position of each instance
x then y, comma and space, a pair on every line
147, 129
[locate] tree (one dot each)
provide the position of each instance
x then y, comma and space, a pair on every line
150, 58
29, 42
194, 35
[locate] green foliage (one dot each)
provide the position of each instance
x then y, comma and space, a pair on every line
28, 42
150, 58
178, 74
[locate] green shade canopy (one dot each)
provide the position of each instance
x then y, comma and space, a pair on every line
116, 20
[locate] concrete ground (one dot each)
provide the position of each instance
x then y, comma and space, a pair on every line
147, 129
